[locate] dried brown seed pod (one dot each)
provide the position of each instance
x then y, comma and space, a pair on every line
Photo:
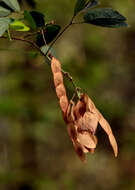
72, 131
60, 91
91, 122
83, 139
79, 150
87, 140
105, 125
58, 79
90, 106
59, 85
63, 103
80, 109
55, 65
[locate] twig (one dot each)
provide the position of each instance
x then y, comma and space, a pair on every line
27, 41
31, 34
42, 31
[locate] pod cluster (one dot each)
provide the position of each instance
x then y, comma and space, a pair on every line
81, 118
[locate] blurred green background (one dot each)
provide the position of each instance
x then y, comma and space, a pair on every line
35, 150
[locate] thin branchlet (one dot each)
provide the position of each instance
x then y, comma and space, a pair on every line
70, 78
27, 41
42, 31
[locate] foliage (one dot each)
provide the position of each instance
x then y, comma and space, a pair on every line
102, 17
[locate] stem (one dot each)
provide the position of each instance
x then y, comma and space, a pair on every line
77, 90
9, 36
42, 31
31, 34
64, 29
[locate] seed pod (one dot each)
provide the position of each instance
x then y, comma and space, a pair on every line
79, 150
87, 140
81, 119
72, 131
60, 91
80, 109
102, 121
63, 103
91, 122
59, 85
58, 79
105, 125
55, 65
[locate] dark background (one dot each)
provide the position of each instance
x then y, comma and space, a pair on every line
35, 150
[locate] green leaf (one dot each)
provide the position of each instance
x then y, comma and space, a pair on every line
19, 26
38, 18
105, 17
4, 24
13, 4
4, 12
29, 19
118, 25
35, 19
50, 32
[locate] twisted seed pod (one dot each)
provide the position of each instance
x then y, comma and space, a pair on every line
103, 123
59, 85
